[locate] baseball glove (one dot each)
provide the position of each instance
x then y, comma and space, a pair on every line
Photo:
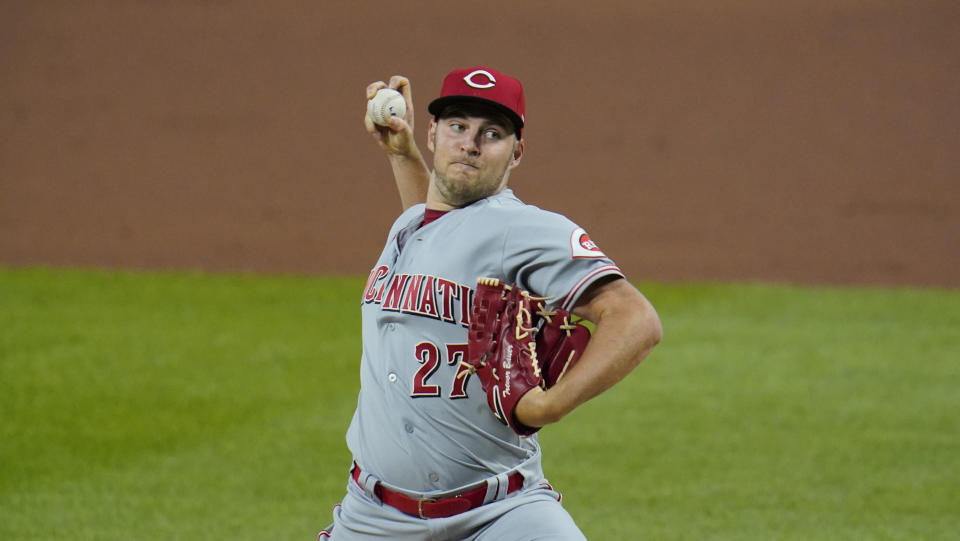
515, 344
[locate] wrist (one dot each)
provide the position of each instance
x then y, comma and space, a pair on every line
535, 409
405, 155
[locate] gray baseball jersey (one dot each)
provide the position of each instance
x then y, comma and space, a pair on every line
418, 426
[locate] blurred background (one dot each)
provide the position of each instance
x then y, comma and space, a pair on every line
796, 141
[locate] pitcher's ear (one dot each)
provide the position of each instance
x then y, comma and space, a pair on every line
432, 134
518, 149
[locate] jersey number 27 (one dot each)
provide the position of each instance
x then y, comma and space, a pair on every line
428, 355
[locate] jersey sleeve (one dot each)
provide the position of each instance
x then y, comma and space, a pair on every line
550, 256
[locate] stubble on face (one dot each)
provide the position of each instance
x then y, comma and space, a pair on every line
466, 181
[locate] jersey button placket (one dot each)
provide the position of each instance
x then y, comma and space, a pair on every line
392, 376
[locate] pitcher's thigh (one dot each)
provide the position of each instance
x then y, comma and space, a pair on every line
538, 520
359, 518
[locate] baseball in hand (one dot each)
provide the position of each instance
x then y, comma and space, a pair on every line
385, 104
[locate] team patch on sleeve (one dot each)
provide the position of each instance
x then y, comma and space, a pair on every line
582, 246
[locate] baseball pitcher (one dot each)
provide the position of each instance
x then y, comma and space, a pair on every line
471, 341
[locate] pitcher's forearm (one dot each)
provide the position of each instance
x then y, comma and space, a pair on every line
412, 177
627, 330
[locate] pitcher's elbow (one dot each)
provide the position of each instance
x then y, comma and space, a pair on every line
651, 333
656, 331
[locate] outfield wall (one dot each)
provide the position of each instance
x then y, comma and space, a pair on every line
789, 141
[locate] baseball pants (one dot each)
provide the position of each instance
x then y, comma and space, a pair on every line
533, 513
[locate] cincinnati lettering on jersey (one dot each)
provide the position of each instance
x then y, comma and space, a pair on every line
419, 294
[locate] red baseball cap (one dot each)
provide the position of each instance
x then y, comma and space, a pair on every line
486, 85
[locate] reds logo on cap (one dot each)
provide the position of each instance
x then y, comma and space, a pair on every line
491, 80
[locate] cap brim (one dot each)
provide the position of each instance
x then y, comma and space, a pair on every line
436, 107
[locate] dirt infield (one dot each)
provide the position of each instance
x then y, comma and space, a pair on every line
738, 140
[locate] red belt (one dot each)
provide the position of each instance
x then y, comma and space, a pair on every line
434, 508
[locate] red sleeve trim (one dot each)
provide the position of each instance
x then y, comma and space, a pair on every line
578, 289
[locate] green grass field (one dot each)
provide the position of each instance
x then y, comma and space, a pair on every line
195, 406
